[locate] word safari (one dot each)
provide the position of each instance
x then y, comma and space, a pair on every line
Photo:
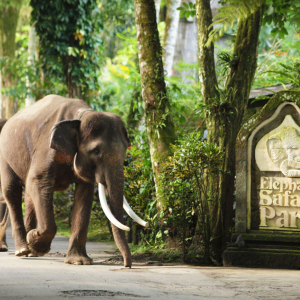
279, 201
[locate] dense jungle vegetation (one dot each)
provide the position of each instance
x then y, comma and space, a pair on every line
177, 177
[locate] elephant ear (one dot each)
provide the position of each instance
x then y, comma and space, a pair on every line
65, 138
276, 151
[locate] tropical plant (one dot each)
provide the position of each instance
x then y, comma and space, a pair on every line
140, 188
70, 45
189, 194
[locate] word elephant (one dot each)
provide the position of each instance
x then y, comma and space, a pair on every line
45, 148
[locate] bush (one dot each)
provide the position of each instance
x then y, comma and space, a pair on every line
140, 189
187, 217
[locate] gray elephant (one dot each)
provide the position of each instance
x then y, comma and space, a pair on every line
46, 147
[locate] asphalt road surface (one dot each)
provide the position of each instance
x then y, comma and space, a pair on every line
48, 277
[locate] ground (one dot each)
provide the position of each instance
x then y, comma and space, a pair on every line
49, 278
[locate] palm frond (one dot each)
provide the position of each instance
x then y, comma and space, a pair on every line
229, 15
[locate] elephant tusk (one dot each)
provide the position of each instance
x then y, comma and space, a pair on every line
106, 209
132, 214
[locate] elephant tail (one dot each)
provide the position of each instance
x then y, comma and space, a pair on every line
4, 224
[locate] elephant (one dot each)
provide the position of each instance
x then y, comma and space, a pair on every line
3, 212
284, 151
48, 146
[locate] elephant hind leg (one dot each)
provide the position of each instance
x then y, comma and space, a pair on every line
12, 192
3, 244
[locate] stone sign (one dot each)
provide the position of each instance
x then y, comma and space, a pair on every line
268, 185
279, 197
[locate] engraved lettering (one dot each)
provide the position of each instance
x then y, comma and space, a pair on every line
264, 216
264, 198
282, 222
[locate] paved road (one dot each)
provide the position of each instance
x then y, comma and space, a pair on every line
49, 278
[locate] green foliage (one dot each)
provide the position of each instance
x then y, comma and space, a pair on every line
69, 40
225, 61
275, 53
63, 204
234, 11
140, 188
280, 13
189, 196
290, 73
120, 78
184, 94
20, 71
156, 253
99, 226
277, 13
118, 16
187, 10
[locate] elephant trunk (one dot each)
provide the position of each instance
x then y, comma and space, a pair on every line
115, 189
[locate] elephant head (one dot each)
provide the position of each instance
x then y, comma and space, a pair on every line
96, 147
284, 151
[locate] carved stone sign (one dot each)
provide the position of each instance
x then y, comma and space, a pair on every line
279, 197
268, 186
268, 168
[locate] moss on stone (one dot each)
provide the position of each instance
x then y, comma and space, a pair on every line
272, 236
261, 258
266, 112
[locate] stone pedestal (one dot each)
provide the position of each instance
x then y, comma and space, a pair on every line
268, 187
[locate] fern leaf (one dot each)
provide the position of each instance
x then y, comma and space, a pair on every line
251, 7
286, 67
244, 11
227, 16
217, 23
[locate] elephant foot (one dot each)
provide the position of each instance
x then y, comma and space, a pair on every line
22, 252
37, 245
32, 255
3, 246
127, 261
127, 264
78, 260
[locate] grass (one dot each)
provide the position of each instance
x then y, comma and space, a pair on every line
157, 253
96, 232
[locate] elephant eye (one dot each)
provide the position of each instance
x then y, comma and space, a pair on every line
96, 151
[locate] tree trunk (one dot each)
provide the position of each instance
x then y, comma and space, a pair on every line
224, 118
8, 24
160, 127
172, 21
74, 90
31, 60
157, 9
186, 48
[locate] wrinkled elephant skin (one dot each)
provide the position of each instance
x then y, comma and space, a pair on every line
46, 147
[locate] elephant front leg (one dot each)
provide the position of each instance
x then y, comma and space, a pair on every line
40, 231
83, 199
30, 217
